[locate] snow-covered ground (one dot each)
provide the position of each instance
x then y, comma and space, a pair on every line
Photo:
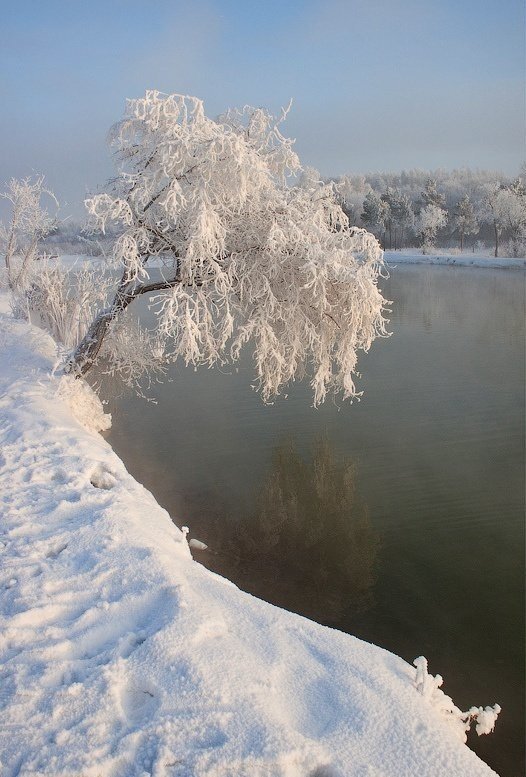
394, 258
121, 656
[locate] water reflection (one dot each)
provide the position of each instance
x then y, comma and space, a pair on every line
309, 544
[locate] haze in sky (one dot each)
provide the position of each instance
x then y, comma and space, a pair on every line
377, 84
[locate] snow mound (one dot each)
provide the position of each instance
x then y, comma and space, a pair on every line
122, 657
84, 403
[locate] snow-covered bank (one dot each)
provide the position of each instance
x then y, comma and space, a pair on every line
120, 656
394, 258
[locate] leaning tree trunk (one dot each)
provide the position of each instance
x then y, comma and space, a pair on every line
88, 349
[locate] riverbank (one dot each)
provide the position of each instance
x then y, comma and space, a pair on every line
122, 656
394, 258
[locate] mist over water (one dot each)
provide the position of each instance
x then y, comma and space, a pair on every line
399, 518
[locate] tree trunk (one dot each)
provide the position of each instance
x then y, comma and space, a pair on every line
461, 241
9, 252
495, 227
88, 349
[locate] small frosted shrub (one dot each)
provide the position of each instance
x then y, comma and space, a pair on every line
64, 301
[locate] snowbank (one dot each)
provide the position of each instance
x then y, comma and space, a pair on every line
394, 258
120, 656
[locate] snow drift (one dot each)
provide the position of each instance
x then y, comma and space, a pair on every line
121, 656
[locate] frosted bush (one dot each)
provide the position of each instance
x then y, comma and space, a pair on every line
64, 301
29, 222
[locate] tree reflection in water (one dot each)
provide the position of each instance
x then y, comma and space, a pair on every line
309, 546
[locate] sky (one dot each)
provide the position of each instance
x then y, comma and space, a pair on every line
377, 85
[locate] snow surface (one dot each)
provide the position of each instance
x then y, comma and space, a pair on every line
393, 258
121, 656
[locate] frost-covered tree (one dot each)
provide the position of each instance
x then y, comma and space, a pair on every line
430, 220
403, 215
465, 220
376, 214
29, 222
517, 218
246, 257
399, 215
351, 191
388, 198
504, 207
431, 195
433, 215
310, 178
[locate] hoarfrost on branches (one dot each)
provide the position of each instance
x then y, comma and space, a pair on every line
245, 256
63, 302
429, 687
431, 219
29, 222
465, 220
505, 207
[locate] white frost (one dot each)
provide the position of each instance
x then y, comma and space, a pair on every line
486, 718
429, 687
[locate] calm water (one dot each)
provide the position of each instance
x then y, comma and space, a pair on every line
399, 518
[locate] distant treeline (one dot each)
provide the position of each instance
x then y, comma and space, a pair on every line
463, 209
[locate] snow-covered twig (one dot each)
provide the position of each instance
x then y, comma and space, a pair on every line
429, 687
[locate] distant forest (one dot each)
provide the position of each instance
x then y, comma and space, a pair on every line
459, 210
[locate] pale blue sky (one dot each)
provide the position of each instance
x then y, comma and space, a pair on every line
377, 84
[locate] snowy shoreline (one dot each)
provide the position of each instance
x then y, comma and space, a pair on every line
393, 258
121, 656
